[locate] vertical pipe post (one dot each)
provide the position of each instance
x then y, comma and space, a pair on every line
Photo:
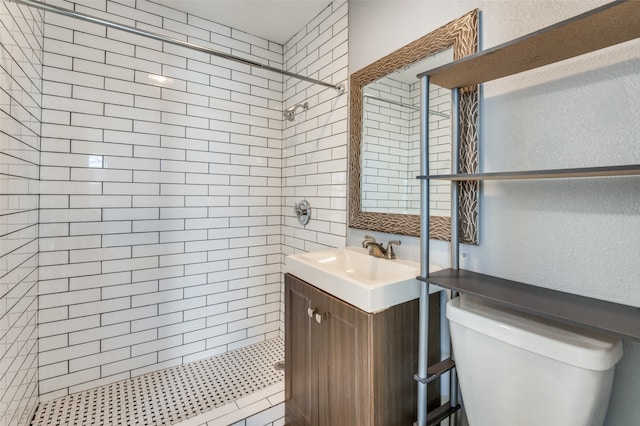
455, 162
423, 338
455, 221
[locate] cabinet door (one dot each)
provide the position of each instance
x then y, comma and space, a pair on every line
344, 397
300, 372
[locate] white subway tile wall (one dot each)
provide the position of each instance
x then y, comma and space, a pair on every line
161, 196
314, 154
439, 149
158, 184
21, 44
387, 155
391, 159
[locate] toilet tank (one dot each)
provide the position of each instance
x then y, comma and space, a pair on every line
519, 369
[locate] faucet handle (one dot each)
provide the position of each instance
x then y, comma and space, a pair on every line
368, 239
390, 253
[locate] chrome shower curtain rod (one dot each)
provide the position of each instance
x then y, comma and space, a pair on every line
95, 20
390, 101
415, 108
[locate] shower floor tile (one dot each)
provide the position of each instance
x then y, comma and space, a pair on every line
173, 395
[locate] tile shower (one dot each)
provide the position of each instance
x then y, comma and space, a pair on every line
146, 191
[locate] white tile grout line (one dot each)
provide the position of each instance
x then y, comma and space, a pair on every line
237, 383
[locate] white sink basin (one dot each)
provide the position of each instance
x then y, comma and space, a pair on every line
351, 274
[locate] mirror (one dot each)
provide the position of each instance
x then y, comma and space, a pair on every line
384, 142
390, 148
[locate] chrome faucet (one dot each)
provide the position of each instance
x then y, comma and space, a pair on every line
377, 250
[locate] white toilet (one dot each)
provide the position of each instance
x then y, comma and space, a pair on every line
518, 369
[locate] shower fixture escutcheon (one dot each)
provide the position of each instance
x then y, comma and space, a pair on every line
303, 211
290, 113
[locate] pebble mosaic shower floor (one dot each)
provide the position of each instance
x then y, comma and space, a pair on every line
169, 396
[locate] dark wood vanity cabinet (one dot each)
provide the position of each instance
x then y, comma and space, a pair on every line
344, 366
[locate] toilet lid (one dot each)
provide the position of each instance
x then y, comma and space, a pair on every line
569, 344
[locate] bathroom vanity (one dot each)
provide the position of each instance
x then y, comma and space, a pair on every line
345, 366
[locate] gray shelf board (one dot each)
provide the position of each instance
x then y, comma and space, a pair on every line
434, 417
582, 172
595, 314
611, 24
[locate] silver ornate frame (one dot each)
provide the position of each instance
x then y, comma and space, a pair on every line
462, 35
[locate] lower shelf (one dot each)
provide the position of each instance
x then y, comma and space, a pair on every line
436, 370
439, 414
595, 314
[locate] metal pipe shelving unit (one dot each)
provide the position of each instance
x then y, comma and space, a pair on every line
426, 373
608, 25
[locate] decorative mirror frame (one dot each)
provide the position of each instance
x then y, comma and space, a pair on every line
462, 35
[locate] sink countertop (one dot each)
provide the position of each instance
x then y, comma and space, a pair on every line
369, 283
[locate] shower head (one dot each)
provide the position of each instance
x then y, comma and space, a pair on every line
290, 113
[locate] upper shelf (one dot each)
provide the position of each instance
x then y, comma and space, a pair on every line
583, 172
605, 26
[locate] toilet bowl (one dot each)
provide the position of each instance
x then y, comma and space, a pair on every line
519, 369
